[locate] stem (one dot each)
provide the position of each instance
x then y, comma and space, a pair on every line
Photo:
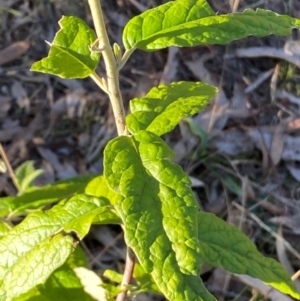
112, 73
128, 271
9, 168
112, 88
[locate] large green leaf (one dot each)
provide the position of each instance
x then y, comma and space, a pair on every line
165, 106
154, 22
70, 56
37, 197
41, 240
158, 28
226, 246
159, 213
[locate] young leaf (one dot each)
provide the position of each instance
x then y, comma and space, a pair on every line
70, 56
26, 173
226, 246
41, 239
165, 106
159, 212
38, 197
149, 32
62, 284
164, 18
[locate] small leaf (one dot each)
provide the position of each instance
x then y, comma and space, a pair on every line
26, 173
70, 56
162, 21
42, 240
158, 210
113, 276
165, 106
38, 197
158, 28
226, 246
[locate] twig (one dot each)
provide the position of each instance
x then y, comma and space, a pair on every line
9, 168
112, 72
127, 276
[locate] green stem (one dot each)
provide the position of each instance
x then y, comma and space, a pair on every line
112, 72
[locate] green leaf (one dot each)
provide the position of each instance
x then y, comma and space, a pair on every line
159, 213
232, 185
158, 28
70, 56
144, 280
6, 205
165, 106
38, 197
98, 187
113, 276
42, 240
4, 228
226, 246
64, 285
26, 173
43, 259
159, 21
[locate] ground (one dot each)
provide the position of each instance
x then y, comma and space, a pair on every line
242, 152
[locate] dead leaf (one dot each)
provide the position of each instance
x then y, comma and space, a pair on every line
13, 51
170, 69
20, 94
277, 143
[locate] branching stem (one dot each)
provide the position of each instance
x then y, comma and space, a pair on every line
112, 88
112, 72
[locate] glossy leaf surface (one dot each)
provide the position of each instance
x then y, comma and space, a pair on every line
165, 106
159, 213
69, 55
161, 20
160, 27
